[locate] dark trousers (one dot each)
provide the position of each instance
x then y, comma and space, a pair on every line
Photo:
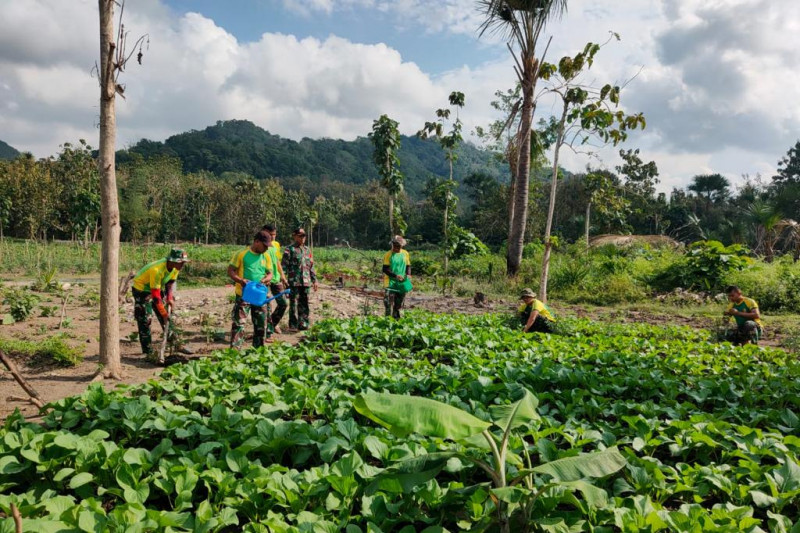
280, 307
259, 317
747, 333
540, 325
143, 313
299, 312
393, 303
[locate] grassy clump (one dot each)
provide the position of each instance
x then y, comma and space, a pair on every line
53, 350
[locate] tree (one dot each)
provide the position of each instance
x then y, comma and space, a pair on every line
604, 192
386, 142
586, 113
442, 191
789, 166
441, 194
640, 186
521, 23
769, 224
112, 64
713, 187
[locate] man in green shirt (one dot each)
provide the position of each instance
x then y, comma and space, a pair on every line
744, 311
397, 268
276, 286
250, 264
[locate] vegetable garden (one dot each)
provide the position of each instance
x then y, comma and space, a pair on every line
432, 423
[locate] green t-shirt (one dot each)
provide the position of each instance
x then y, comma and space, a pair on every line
250, 266
273, 254
397, 264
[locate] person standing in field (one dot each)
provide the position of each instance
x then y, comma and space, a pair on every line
397, 267
298, 265
154, 289
250, 264
276, 286
744, 311
535, 315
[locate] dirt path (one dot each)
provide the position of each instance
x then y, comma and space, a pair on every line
203, 316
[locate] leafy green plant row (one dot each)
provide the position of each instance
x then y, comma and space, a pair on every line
691, 436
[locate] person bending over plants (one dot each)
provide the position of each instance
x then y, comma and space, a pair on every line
396, 270
154, 288
535, 316
251, 264
747, 316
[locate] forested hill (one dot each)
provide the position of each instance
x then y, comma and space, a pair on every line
241, 146
7, 152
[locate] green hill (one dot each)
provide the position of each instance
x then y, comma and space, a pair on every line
7, 152
241, 146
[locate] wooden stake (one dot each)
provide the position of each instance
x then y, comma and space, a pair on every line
34, 396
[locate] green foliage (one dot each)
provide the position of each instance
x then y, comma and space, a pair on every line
708, 262
677, 431
21, 302
52, 350
464, 243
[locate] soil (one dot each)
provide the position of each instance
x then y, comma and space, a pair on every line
202, 315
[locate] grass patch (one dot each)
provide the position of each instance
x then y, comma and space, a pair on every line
52, 350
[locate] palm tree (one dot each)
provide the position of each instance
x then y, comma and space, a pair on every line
768, 221
520, 23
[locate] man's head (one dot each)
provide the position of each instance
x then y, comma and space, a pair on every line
176, 259
261, 242
397, 243
271, 229
734, 294
299, 236
527, 296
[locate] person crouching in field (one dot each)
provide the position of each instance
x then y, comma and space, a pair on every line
298, 265
748, 318
154, 288
278, 279
250, 264
396, 267
535, 315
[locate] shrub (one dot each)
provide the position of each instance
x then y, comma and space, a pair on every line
53, 349
21, 303
463, 243
706, 266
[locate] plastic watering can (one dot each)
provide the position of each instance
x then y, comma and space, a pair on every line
255, 293
401, 287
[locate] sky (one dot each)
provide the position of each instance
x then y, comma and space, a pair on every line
717, 80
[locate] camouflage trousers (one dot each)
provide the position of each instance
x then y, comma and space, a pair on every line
749, 332
299, 311
142, 312
280, 307
393, 303
259, 317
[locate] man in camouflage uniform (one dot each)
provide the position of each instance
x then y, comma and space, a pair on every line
154, 285
298, 265
250, 264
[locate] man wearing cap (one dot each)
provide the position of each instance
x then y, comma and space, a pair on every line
154, 285
250, 264
397, 267
535, 315
298, 265
276, 285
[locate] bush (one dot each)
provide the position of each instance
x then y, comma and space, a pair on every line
463, 243
21, 303
53, 349
707, 266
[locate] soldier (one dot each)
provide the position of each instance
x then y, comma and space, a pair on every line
154, 284
397, 267
298, 265
278, 279
250, 264
749, 328
535, 315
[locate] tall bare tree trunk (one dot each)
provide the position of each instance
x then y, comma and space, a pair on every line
391, 214
109, 297
548, 245
516, 231
587, 222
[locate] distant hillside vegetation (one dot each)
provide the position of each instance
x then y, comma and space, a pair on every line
241, 146
7, 152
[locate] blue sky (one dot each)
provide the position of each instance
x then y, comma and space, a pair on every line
434, 51
717, 80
